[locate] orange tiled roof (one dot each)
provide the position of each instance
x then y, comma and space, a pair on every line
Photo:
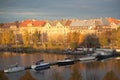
68, 23
113, 20
34, 23
25, 23
38, 23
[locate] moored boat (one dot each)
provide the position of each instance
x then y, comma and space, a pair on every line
14, 68
87, 58
102, 54
65, 62
42, 66
37, 63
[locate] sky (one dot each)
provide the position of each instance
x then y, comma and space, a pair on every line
13, 10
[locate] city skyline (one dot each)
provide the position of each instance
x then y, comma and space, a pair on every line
12, 10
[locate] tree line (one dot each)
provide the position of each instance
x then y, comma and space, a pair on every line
70, 40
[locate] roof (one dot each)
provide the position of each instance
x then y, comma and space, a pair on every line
7, 25
38, 23
53, 23
82, 23
25, 23
63, 22
112, 20
33, 22
68, 23
91, 22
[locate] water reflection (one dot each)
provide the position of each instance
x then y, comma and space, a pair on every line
56, 76
96, 70
27, 76
3, 76
110, 76
75, 74
7, 58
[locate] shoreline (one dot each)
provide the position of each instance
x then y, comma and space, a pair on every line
29, 50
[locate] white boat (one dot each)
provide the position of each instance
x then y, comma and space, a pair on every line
42, 66
14, 68
87, 58
102, 54
37, 63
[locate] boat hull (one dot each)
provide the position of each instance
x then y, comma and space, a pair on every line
65, 62
14, 69
87, 58
101, 57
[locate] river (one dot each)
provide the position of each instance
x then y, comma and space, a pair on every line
95, 70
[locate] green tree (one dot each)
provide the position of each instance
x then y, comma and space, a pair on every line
3, 76
90, 40
110, 76
27, 76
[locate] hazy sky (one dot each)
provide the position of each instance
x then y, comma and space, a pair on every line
12, 10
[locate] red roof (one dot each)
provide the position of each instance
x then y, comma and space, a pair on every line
38, 23
68, 23
112, 20
25, 23
34, 23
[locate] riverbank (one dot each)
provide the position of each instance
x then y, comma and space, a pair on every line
36, 50
29, 50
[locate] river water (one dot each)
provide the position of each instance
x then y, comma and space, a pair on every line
95, 70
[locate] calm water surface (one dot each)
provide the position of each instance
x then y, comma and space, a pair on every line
95, 70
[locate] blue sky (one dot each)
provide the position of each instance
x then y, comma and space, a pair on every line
12, 10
